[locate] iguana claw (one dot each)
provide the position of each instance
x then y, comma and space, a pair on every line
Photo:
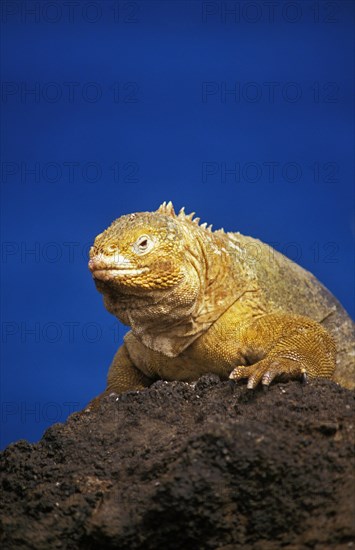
266, 370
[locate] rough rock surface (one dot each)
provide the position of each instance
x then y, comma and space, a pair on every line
205, 465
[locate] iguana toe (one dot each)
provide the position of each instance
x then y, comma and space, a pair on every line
266, 370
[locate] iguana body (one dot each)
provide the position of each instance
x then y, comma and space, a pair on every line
200, 301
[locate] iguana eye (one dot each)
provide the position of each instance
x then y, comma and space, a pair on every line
143, 244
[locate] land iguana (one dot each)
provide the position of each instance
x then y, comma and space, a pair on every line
201, 301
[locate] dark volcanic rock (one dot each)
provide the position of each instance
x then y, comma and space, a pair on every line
210, 465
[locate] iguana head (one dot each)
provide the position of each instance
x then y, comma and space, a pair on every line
138, 252
163, 274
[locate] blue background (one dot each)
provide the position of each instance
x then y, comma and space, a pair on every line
129, 109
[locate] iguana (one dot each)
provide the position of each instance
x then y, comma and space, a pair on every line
201, 301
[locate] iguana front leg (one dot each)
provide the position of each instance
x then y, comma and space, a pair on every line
286, 345
122, 376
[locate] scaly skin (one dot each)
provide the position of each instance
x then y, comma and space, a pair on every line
200, 301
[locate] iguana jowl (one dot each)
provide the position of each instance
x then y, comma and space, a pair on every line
201, 301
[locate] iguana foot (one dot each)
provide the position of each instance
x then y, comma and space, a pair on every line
268, 369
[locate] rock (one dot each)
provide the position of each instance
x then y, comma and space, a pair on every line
208, 465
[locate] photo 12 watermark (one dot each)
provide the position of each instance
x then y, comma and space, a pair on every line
270, 172
70, 253
269, 92
23, 332
229, 12
71, 171
69, 92
54, 12
36, 412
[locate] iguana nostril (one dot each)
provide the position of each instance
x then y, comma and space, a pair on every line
91, 265
97, 262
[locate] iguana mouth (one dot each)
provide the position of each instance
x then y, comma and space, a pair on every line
107, 269
110, 273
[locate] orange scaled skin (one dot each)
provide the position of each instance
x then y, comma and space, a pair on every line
200, 302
